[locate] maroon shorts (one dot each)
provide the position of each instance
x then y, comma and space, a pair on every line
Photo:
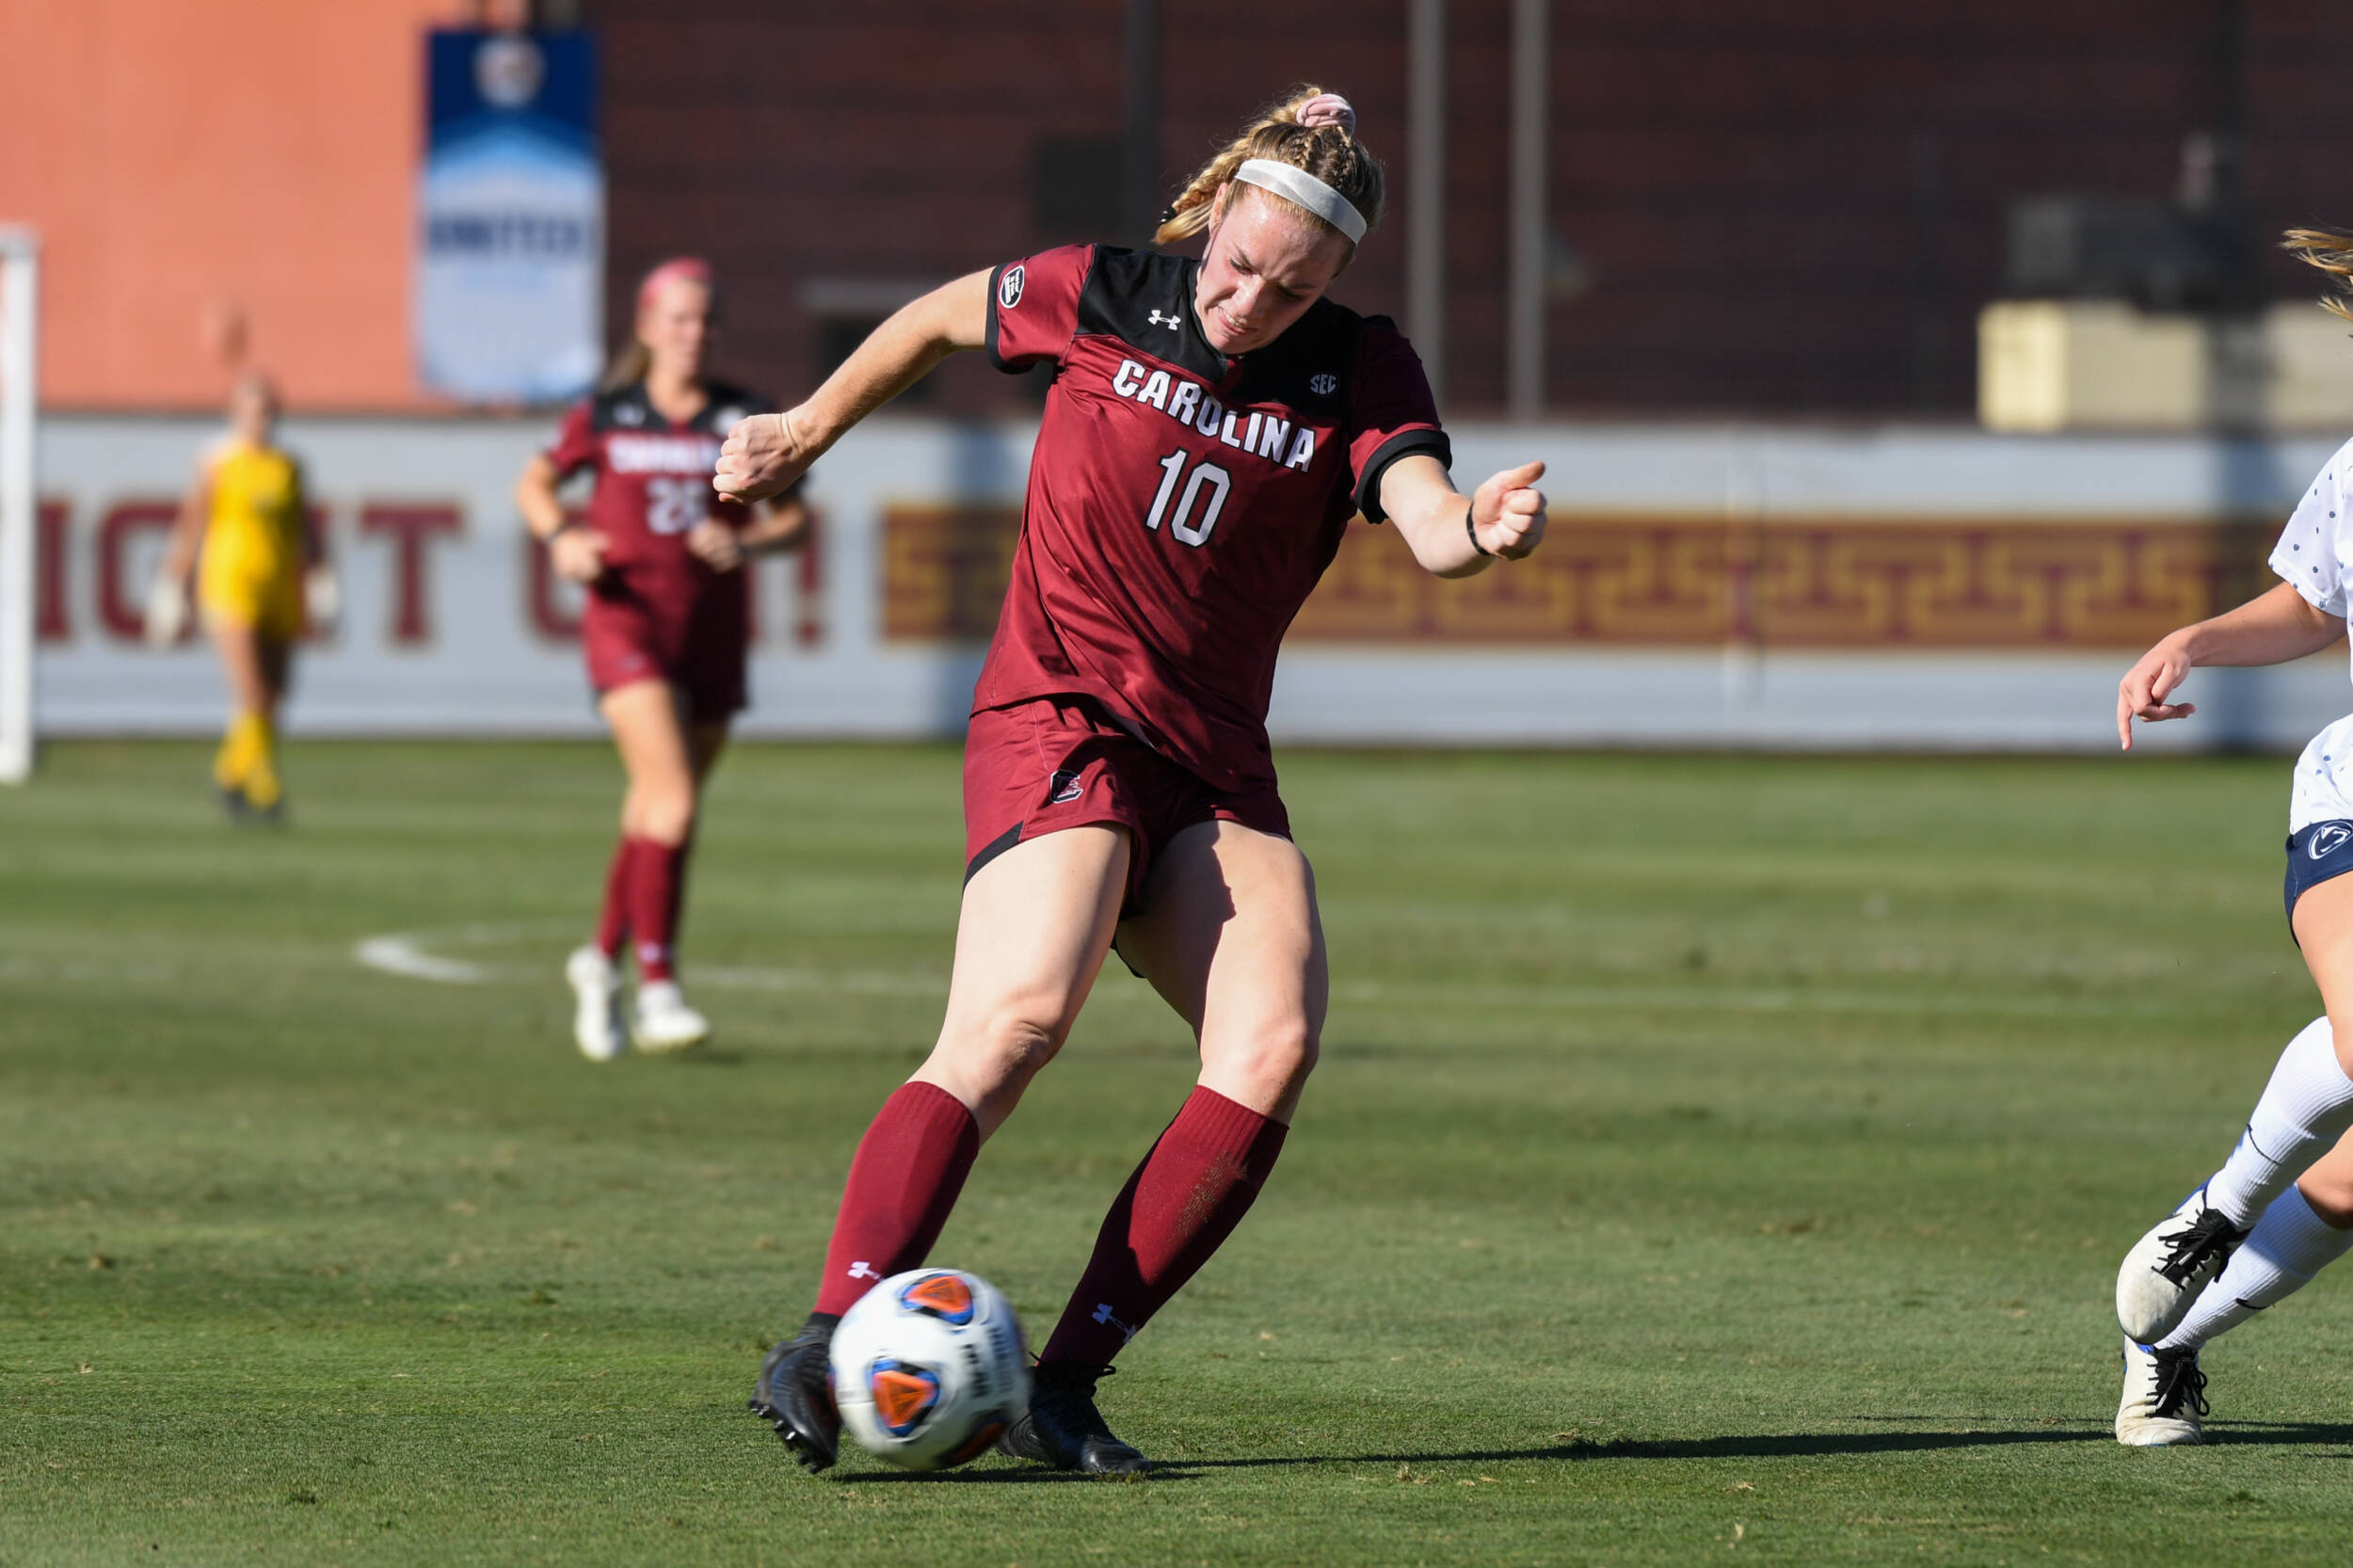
694, 641
1060, 762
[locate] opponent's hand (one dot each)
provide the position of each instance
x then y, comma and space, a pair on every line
167, 616
715, 544
322, 599
578, 555
1508, 512
2142, 692
764, 454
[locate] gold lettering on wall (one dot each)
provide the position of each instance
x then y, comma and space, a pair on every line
1666, 581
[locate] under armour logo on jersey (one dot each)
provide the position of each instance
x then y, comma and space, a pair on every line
863, 1270
728, 418
1325, 385
1168, 321
628, 413
2328, 838
1009, 288
1102, 1314
1063, 788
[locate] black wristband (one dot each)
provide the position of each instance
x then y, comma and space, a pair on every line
1471, 528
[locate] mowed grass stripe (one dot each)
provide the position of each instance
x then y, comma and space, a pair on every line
1712, 1156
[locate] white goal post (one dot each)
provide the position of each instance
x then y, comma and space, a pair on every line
20, 319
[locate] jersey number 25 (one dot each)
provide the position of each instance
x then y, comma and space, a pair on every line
674, 506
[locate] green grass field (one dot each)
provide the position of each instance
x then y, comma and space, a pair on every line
1712, 1158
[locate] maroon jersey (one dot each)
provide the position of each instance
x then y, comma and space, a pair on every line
1182, 505
652, 477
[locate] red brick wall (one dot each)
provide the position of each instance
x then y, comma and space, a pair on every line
1787, 206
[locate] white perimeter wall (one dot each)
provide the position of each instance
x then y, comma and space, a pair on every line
472, 662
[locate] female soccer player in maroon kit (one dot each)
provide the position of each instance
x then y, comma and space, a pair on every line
1213, 426
664, 629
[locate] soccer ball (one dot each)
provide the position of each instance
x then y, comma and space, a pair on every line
929, 1368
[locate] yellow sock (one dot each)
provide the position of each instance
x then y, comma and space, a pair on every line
262, 786
245, 740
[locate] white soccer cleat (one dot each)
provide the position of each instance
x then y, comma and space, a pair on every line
2165, 1270
597, 1015
2165, 1394
665, 1022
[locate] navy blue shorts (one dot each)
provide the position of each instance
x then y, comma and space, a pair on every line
2316, 854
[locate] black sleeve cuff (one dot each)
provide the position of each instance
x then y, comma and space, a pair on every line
996, 275
1404, 444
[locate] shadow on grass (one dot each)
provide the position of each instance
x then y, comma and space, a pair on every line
1802, 1445
1025, 1475
1798, 1444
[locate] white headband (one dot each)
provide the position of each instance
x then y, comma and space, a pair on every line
1298, 186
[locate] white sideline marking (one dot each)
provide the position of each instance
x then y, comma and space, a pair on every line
406, 953
401, 956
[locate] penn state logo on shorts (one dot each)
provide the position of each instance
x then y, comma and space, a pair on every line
2328, 839
1009, 287
1063, 788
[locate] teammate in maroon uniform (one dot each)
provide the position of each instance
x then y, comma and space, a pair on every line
663, 629
1213, 426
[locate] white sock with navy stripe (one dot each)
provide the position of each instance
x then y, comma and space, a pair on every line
2289, 1245
2305, 1108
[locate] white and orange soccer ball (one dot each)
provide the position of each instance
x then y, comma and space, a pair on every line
929, 1368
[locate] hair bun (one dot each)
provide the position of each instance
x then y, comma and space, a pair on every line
1327, 108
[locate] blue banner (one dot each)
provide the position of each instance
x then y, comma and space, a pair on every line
510, 219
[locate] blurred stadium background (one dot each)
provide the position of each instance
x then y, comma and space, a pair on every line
1900, 372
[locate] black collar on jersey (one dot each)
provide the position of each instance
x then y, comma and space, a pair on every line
1147, 298
629, 407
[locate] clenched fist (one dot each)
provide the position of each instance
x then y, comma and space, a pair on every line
1506, 515
762, 457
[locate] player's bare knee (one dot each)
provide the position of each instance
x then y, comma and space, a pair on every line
662, 812
1008, 1050
2330, 1190
1276, 1057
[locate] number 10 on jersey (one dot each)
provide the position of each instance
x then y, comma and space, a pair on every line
1206, 476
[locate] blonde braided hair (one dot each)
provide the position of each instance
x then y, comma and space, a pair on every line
2332, 253
1329, 151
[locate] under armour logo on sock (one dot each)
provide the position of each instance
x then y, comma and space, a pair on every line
863, 1270
1103, 1315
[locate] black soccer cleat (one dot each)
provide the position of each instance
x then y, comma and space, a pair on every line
795, 1393
1063, 1428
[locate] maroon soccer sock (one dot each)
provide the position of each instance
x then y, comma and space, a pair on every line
654, 902
1178, 1208
613, 924
909, 1168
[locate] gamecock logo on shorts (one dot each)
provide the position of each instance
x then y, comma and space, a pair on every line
2328, 840
942, 1296
1063, 788
1009, 288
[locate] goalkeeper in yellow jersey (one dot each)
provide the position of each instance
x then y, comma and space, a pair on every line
245, 534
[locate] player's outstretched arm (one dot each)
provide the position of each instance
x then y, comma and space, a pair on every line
768, 452
2269, 629
1454, 536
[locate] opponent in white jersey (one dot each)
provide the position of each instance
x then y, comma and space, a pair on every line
2280, 1209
